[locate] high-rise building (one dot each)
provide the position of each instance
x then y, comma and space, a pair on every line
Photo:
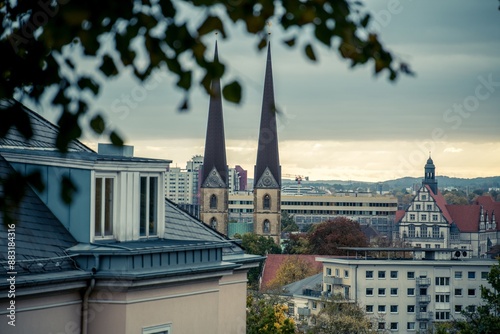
267, 176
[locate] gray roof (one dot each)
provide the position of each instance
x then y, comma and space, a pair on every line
40, 239
44, 132
297, 288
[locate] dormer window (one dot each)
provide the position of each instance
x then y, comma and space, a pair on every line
213, 223
267, 202
148, 222
104, 207
213, 202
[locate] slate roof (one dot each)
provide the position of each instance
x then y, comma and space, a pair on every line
215, 146
313, 282
40, 239
267, 150
44, 132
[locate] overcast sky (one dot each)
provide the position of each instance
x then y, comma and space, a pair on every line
342, 123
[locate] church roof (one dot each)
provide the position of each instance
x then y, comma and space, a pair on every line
267, 150
215, 146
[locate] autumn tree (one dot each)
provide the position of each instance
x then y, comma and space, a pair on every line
339, 316
267, 315
288, 222
327, 237
292, 269
42, 43
485, 318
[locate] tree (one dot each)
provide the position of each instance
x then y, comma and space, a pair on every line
292, 269
485, 318
267, 315
41, 42
288, 223
327, 237
339, 316
297, 243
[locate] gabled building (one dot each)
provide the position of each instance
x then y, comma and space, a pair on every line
429, 222
119, 258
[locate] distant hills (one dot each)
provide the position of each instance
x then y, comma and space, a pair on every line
408, 182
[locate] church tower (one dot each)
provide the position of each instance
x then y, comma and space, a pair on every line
214, 172
267, 176
430, 176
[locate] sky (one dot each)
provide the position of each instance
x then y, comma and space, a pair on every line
337, 122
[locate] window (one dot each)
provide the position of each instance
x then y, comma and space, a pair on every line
381, 325
411, 291
394, 291
484, 275
435, 218
291, 309
442, 315
329, 271
394, 308
381, 308
158, 329
435, 232
314, 305
410, 308
423, 231
381, 274
213, 202
394, 274
337, 272
471, 308
369, 274
471, 292
394, 326
417, 207
346, 273
458, 308
442, 281
410, 275
410, 326
458, 292
381, 291
104, 207
424, 217
266, 226
471, 275
369, 308
369, 291
412, 216
267, 202
148, 222
458, 274
411, 231
422, 325
440, 298
213, 223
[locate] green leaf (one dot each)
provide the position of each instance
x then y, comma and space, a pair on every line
232, 92
97, 124
88, 83
210, 24
290, 42
310, 52
364, 22
115, 139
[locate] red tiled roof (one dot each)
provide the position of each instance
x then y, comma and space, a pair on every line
441, 203
465, 216
399, 215
274, 261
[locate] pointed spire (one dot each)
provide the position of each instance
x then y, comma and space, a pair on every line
430, 175
215, 146
268, 161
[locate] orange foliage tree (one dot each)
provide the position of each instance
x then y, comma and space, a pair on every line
327, 237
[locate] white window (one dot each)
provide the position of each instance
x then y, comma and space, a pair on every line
410, 326
148, 216
104, 207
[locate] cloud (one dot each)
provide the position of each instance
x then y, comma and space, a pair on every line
452, 150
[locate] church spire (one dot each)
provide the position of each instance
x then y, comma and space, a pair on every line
267, 169
214, 159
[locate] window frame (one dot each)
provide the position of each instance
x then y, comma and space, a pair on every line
148, 177
115, 200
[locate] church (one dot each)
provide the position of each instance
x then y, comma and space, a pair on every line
267, 174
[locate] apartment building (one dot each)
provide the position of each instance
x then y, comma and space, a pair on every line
410, 293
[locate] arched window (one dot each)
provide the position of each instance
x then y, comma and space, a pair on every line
213, 223
213, 202
267, 202
411, 231
266, 227
423, 231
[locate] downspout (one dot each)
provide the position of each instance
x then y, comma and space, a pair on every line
85, 301
356, 282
